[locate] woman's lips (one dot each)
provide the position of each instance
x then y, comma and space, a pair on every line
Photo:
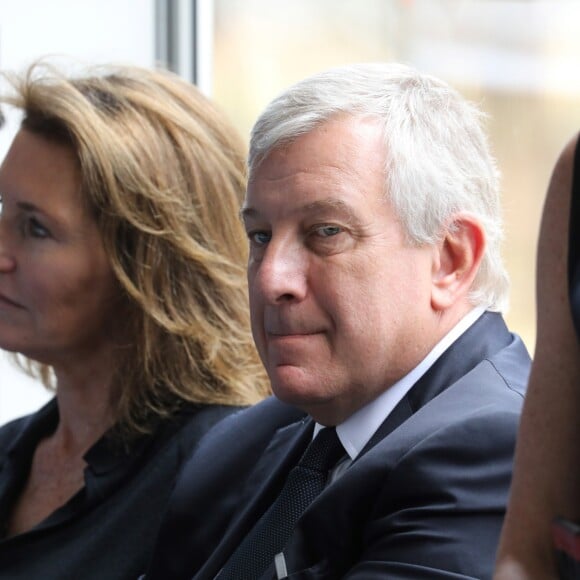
5, 300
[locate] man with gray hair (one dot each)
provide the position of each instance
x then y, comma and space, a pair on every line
376, 286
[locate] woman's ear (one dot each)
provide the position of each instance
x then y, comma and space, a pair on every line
457, 260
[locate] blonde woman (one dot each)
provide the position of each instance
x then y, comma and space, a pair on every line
121, 281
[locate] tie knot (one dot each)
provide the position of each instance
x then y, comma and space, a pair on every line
323, 452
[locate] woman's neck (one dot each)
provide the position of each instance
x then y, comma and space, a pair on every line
84, 404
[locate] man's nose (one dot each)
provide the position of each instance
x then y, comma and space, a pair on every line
281, 275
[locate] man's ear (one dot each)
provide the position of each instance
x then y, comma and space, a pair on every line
456, 260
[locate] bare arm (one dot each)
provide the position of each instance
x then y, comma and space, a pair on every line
546, 479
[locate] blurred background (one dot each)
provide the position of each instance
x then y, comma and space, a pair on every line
519, 60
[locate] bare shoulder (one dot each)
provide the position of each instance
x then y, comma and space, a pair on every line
547, 472
554, 228
554, 321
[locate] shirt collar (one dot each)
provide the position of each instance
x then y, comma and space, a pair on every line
356, 431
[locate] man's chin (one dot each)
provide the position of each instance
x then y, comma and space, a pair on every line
294, 385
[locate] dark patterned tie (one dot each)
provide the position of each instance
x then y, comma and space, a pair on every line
272, 531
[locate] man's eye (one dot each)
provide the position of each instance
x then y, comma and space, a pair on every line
259, 238
328, 231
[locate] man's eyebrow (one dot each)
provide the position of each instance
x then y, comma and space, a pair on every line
317, 206
330, 204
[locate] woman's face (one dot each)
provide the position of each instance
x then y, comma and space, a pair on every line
57, 288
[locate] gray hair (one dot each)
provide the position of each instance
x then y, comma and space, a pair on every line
438, 157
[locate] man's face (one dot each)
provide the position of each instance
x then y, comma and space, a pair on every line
340, 302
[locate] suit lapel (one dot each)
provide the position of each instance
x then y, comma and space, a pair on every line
262, 487
485, 337
398, 416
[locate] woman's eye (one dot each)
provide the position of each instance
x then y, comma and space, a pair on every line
34, 229
328, 231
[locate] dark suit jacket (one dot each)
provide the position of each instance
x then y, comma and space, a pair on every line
425, 498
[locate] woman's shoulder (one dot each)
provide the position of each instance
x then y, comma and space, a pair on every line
574, 241
11, 432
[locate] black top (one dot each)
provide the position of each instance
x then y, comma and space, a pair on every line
107, 530
574, 245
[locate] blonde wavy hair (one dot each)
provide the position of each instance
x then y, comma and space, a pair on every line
163, 174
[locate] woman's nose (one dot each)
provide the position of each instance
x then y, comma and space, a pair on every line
7, 259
